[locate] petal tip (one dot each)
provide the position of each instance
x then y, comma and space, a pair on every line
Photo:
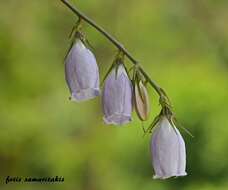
117, 119
169, 176
85, 94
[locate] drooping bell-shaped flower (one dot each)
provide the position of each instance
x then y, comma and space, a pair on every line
117, 97
81, 73
168, 151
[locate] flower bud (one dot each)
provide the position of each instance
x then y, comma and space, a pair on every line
168, 150
117, 97
142, 103
81, 73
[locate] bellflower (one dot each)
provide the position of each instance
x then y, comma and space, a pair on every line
168, 150
117, 97
81, 72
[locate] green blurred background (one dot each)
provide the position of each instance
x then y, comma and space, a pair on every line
182, 44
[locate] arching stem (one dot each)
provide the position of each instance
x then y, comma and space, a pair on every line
116, 43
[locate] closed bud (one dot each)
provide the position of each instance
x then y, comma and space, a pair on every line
168, 150
142, 103
81, 72
117, 97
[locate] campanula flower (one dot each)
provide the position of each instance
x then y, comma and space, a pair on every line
168, 150
117, 97
81, 73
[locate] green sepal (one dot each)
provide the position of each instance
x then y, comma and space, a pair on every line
170, 119
116, 70
89, 45
77, 35
68, 51
118, 60
175, 121
128, 74
106, 75
76, 28
153, 124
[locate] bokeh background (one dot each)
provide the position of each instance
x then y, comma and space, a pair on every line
183, 45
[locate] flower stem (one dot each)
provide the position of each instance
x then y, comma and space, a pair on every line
100, 29
152, 83
114, 41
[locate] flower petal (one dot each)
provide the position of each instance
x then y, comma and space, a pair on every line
82, 73
117, 98
168, 151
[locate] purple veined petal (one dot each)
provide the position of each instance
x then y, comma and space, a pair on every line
168, 151
81, 72
117, 98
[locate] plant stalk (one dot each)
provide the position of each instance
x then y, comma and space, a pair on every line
115, 42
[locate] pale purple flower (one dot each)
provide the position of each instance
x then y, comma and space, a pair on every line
117, 97
81, 72
168, 151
